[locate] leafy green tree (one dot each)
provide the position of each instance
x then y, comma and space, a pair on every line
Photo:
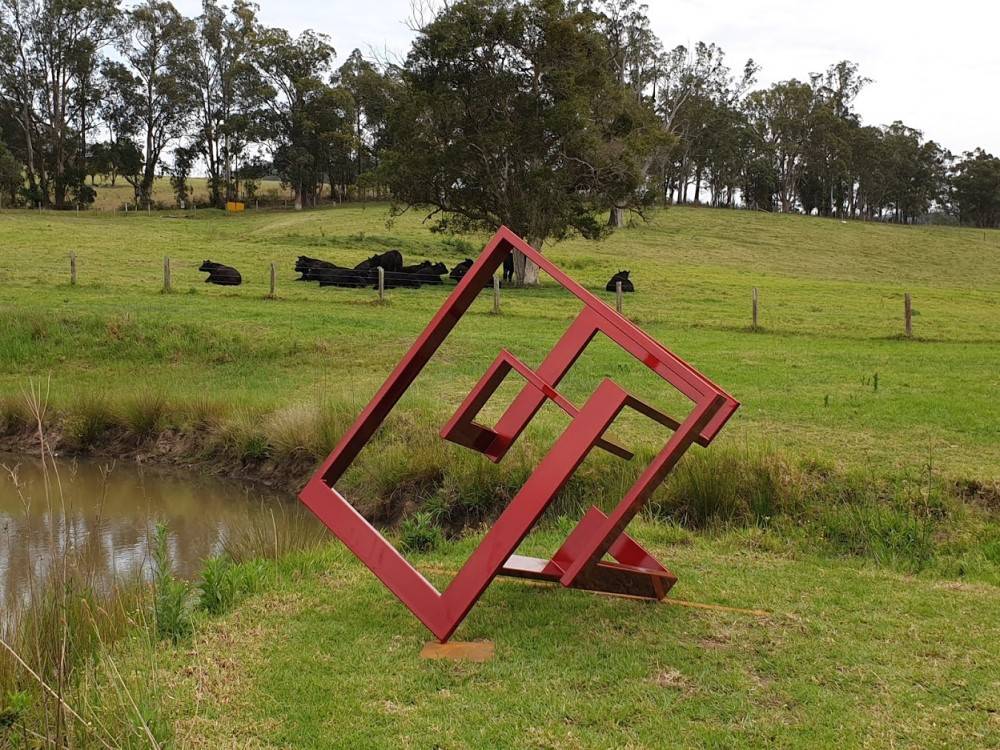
780, 117
294, 70
830, 172
180, 171
230, 93
511, 115
916, 172
153, 93
976, 181
50, 51
99, 162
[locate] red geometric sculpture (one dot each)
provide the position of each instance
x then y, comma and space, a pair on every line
580, 561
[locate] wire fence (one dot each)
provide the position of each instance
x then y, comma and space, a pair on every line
378, 280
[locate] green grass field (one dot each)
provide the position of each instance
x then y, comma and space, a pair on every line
854, 496
846, 656
831, 311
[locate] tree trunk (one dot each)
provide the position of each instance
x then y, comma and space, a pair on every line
525, 271
617, 218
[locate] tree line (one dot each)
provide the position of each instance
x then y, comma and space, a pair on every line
540, 114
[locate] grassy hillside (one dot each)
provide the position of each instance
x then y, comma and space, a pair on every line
322, 657
831, 311
854, 496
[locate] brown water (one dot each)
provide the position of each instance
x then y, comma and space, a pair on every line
107, 512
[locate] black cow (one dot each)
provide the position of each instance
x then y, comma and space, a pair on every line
391, 261
508, 266
346, 277
220, 274
427, 272
461, 269
311, 267
621, 276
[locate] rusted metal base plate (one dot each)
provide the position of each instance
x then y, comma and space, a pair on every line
458, 650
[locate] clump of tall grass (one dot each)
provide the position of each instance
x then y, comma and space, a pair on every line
145, 414
90, 421
307, 429
15, 416
728, 486
243, 436
887, 534
290, 530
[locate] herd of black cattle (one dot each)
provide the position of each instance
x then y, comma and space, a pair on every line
395, 274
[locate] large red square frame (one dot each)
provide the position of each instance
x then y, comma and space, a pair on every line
582, 560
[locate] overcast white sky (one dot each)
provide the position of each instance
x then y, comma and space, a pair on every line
934, 65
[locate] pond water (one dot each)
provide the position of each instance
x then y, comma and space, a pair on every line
107, 512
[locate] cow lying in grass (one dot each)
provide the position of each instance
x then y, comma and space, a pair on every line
220, 274
366, 272
459, 271
621, 276
310, 268
427, 272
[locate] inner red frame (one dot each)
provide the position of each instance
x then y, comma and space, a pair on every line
580, 562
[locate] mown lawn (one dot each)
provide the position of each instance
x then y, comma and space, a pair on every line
831, 311
848, 656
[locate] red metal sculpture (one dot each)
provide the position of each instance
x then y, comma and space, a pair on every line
580, 561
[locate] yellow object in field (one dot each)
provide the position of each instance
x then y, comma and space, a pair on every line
235, 206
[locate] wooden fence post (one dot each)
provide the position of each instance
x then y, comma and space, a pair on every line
756, 304
496, 295
274, 281
618, 297
72, 268
381, 284
166, 273
908, 314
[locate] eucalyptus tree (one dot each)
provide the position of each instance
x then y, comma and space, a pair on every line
20, 78
976, 181
916, 172
780, 120
153, 88
294, 70
510, 115
698, 99
50, 51
361, 80
230, 93
633, 53
830, 171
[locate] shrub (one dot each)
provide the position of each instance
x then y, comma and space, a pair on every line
419, 533
170, 601
219, 586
